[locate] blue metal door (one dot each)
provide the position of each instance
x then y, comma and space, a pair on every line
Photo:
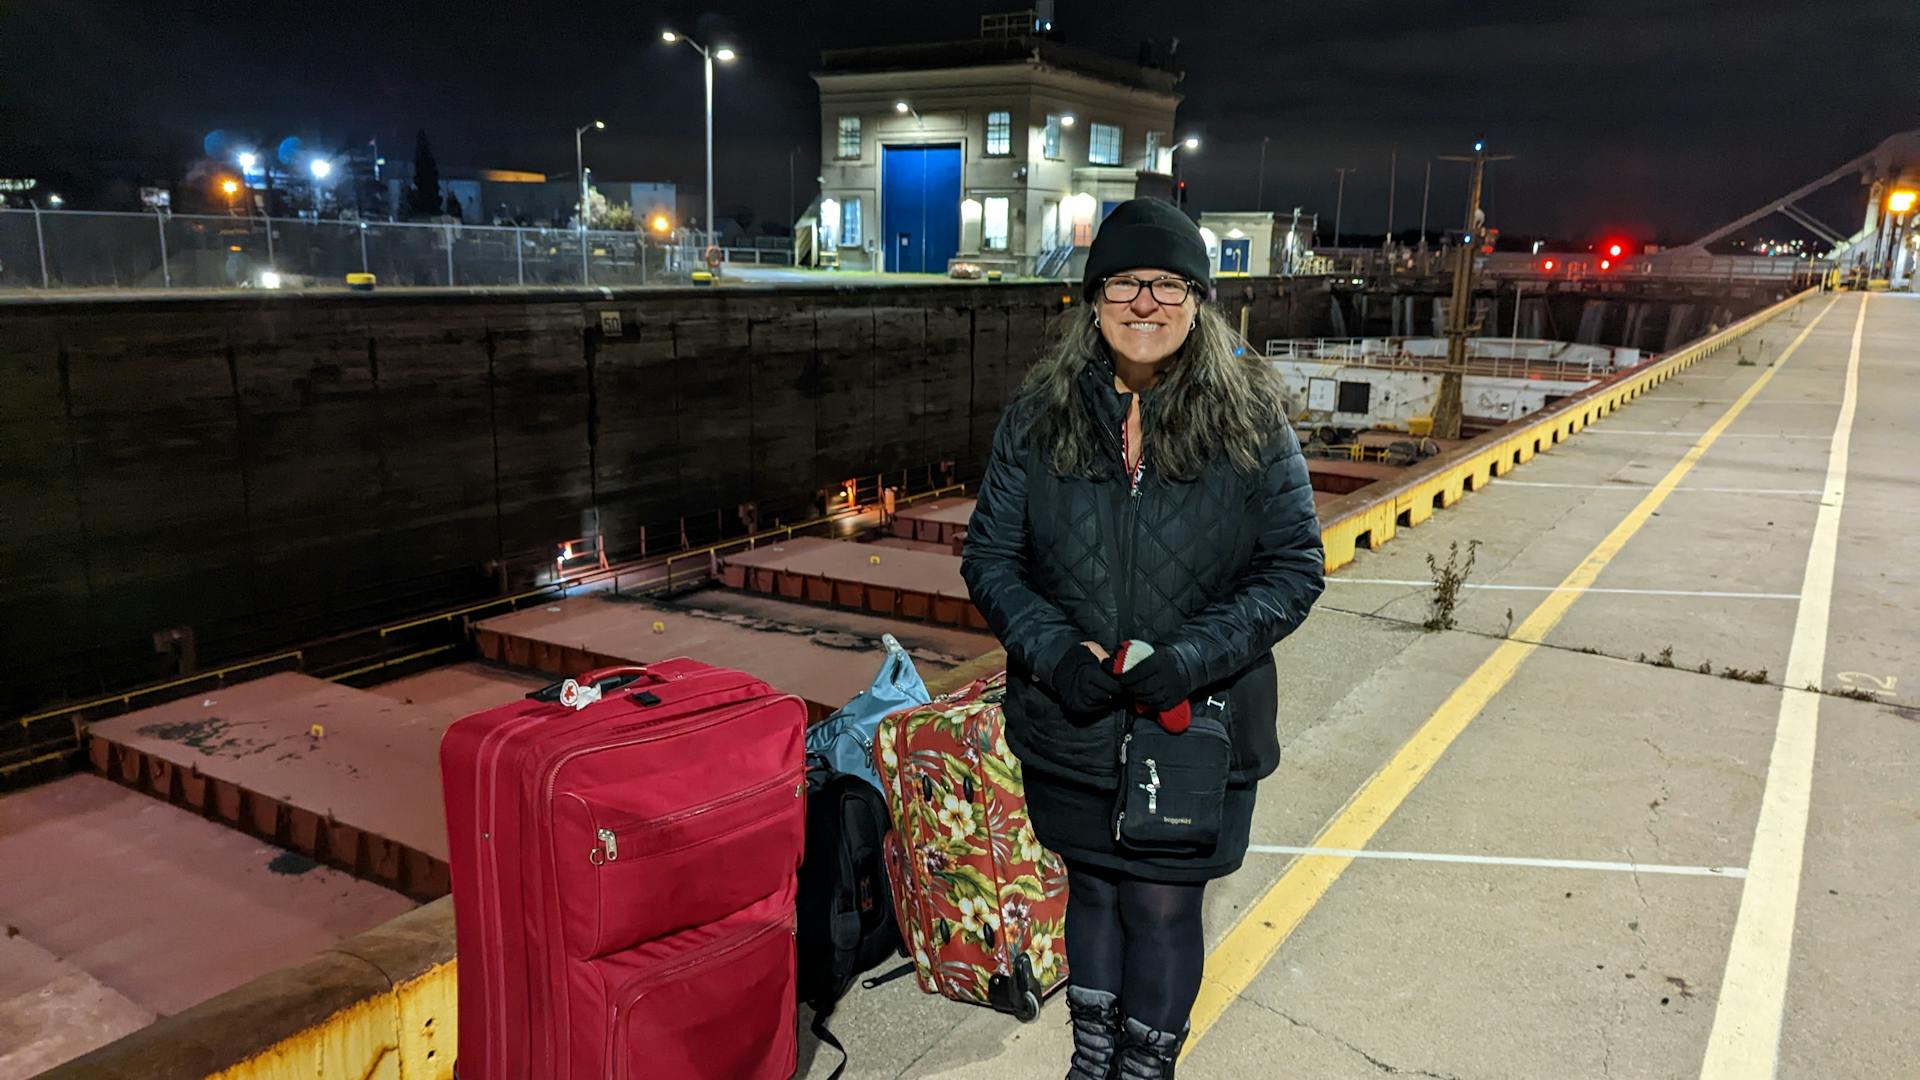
1233, 255
920, 203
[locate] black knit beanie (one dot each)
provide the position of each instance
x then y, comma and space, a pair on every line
1147, 234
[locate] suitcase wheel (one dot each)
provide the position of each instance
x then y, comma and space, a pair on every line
1017, 995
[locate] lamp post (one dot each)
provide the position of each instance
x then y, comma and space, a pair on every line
1260, 191
232, 188
321, 168
724, 55
1191, 142
1340, 200
580, 174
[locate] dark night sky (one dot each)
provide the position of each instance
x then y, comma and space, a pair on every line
1664, 116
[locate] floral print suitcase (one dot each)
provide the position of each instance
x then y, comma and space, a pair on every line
982, 905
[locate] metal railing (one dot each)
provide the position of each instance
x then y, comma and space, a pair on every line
1500, 358
80, 249
1586, 267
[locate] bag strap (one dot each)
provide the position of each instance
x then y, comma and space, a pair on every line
827, 1037
886, 977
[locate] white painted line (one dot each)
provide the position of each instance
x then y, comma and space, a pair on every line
1637, 486
1698, 434
1337, 580
1655, 397
1497, 860
1745, 1044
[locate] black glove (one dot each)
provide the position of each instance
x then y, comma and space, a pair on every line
1084, 683
1156, 682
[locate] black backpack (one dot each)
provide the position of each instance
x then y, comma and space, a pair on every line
846, 923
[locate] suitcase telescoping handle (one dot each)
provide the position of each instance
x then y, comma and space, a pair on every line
580, 692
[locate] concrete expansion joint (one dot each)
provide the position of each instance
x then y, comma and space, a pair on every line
1389, 1069
377, 969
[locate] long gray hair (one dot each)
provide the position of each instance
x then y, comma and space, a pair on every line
1207, 402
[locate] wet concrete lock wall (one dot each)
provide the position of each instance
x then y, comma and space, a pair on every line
266, 469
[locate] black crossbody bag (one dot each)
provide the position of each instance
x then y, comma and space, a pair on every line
1173, 787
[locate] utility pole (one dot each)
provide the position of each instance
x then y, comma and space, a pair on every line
1393, 178
1460, 321
1260, 196
1340, 201
1424, 193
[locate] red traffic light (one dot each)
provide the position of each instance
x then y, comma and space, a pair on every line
1547, 265
1615, 250
1606, 264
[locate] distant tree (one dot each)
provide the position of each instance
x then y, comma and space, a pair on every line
602, 213
453, 206
618, 216
423, 199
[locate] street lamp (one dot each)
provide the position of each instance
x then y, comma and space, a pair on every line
580, 173
321, 168
1190, 143
722, 54
232, 188
55, 201
248, 159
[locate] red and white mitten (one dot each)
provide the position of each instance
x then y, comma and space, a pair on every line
1131, 653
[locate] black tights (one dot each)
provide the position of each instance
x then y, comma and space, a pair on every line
1140, 940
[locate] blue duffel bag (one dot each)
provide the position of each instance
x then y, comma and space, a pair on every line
845, 739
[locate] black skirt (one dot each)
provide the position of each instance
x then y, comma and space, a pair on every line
1075, 821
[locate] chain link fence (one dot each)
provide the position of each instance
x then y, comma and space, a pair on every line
75, 249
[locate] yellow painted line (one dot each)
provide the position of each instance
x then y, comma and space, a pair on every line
1240, 957
1753, 991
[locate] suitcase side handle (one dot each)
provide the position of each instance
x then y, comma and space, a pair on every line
591, 685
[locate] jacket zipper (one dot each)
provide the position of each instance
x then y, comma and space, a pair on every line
1124, 587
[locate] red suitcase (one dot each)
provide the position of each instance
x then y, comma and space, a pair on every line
623, 849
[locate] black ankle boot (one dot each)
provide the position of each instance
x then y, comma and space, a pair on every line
1096, 1033
1146, 1054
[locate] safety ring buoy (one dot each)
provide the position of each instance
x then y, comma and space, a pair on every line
713, 257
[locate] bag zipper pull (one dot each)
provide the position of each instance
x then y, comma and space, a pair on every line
609, 848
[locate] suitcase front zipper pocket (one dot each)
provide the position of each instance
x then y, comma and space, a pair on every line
723, 1009
642, 877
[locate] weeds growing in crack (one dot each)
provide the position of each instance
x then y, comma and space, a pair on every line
1738, 675
1447, 581
1705, 668
1853, 693
1664, 659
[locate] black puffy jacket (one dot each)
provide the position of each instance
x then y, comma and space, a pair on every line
1216, 569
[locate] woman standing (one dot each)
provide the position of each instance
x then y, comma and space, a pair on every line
1143, 487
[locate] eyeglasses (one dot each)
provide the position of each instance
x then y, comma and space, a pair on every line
1166, 291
